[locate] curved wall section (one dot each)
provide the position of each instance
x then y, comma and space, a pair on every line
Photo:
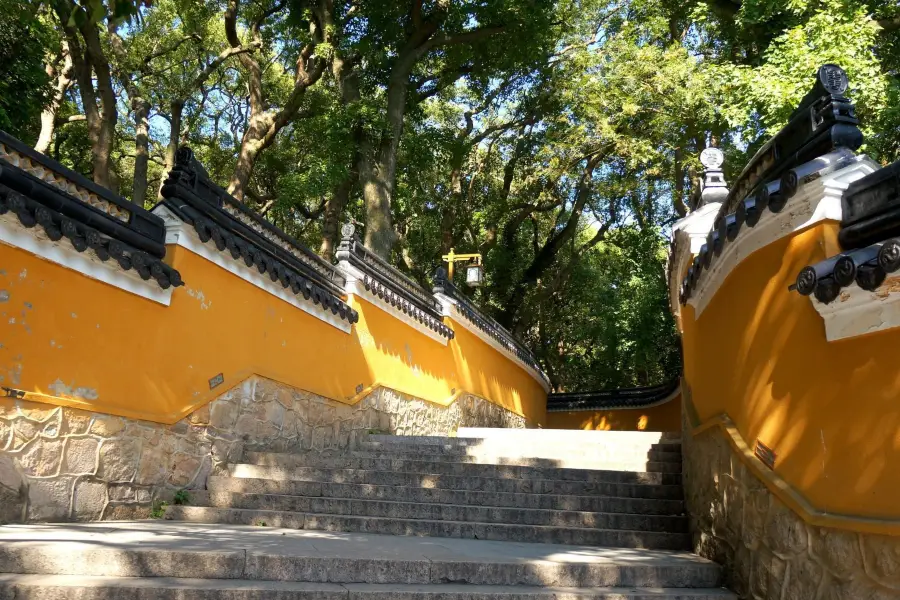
827, 410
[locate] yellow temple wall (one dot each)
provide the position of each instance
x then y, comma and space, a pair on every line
72, 341
758, 366
665, 417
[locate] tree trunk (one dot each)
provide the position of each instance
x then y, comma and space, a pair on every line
62, 75
251, 145
548, 253
454, 202
141, 149
334, 209
377, 184
678, 176
177, 112
378, 164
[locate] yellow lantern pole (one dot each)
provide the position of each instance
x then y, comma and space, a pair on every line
453, 258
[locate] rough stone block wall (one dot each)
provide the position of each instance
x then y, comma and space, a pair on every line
768, 551
59, 464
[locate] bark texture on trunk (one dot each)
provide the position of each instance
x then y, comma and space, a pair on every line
92, 72
141, 110
345, 73
378, 164
60, 72
334, 209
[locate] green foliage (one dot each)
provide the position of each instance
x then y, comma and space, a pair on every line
24, 84
181, 498
158, 511
500, 129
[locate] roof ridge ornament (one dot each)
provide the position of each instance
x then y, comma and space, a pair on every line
819, 138
713, 187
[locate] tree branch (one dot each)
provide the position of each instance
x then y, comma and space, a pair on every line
467, 37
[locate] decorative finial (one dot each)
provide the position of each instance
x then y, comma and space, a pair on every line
712, 159
834, 79
348, 230
713, 187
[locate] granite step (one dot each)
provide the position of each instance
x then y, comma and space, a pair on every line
458, 482
446, 512
665, 462
430, 440
611, 503
620, 538
309, 460
568, 436
173, 549
563, 450
68, 587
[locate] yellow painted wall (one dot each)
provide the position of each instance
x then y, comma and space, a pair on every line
663, 417
83, 343
830, 410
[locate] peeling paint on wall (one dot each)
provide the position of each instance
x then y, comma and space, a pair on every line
4, 296
61, 389
199, 295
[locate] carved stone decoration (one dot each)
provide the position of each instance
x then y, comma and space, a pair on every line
41, 192
233, 229
713, 187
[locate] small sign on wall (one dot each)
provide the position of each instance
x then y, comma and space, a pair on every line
765, 454
216, 381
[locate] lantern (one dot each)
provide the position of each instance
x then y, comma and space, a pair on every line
474, 275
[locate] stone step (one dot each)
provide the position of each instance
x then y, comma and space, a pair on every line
456, 482
431, 440
274, 459
173, 549
448, 496
446, 512
463, 446
618, 538
667, 462
566, 436
69, 587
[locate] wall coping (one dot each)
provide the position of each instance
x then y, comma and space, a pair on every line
179, 234
86, 263
688, 236
615, 399
815, 202
858, 312
354, 287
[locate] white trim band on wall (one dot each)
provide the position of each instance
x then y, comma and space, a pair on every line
355, 287
180, 234
815, 202
34, 241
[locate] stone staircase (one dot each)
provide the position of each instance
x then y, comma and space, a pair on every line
490, 514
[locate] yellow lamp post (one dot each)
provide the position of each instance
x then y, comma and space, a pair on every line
474, 271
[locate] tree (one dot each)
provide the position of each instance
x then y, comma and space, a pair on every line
559, 139
25, 87
265, 118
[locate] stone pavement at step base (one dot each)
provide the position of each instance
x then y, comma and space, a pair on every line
162, 560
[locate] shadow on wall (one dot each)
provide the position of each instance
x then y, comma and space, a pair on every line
828, 409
